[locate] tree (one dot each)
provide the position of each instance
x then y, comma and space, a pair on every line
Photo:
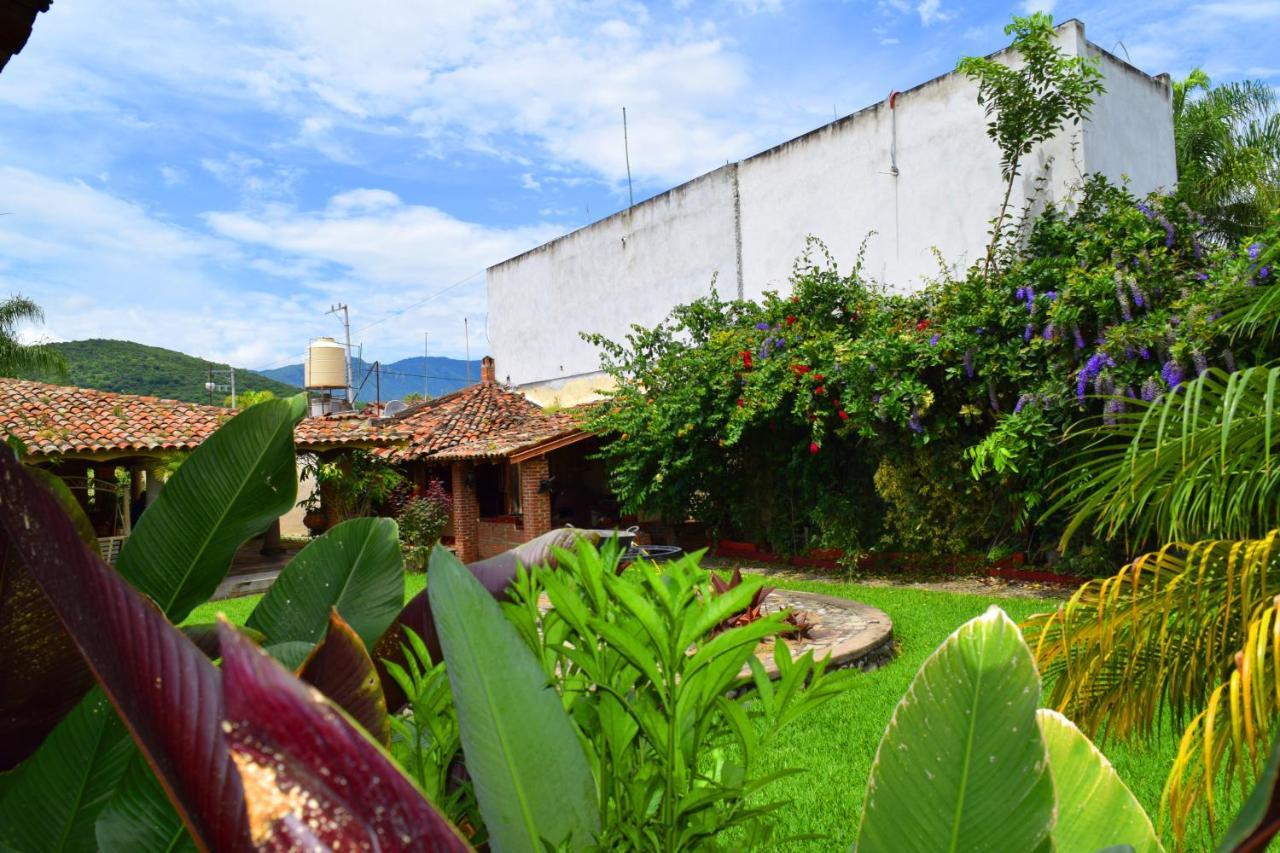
16, 357
1228, 150
245, 399
1029, 105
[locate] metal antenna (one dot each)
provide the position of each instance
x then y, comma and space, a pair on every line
626, 150
426, 355
466, 336
346, 324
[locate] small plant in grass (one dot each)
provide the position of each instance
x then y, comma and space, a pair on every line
671, 712
422, 522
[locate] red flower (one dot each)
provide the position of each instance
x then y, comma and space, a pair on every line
817, 377
844, 416
801, 368
821, 389
922, 325
739, 402
746, 359
791, 318
813, 447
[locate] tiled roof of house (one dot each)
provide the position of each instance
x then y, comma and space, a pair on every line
59, 419
482, 421
347, 429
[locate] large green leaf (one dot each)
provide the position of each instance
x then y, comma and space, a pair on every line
1259, 818
44, 675
962, 765
45, 809
139, 818
1095, 808
236, 483
531, 776
162, 686
355, 567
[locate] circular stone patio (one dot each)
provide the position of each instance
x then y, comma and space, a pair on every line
848, 632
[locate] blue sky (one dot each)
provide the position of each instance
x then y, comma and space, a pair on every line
212, 176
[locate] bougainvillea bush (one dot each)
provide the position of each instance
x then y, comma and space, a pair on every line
842, 414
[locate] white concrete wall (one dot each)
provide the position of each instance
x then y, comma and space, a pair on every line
747, 222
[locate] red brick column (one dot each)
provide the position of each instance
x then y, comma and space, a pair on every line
535, 505
466, 514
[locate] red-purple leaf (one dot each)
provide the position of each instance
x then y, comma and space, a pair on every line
166, 691
416, 616
44, 675
341, 669
311, 778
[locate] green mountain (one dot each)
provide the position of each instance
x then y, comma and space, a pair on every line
137, 369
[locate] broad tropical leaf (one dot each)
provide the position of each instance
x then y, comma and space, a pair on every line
1201, 461
46, 810
1158, 637
962, 765
236, 483
341, 669
1095, 808
162, 686
44, 675
531, 776
205, 636
139, 818
355, 567
311, 778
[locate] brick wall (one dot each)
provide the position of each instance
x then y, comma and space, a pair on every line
535, 505
466, 515
500, 534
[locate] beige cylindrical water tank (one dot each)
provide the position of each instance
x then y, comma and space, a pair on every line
326, 365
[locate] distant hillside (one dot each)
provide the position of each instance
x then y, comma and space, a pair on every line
437, 374
132, 368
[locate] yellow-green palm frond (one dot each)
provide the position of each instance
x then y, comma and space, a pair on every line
1231, 735
1203, 461
1158, 636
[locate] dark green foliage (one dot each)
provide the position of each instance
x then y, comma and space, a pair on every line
132, 368
16, 357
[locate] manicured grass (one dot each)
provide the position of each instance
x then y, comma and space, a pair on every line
834, 746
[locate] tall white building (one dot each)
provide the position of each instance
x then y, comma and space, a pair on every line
917, 169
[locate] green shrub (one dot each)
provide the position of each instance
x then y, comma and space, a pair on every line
422, 522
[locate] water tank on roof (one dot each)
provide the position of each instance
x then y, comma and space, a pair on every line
326, 365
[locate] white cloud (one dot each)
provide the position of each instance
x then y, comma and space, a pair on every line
1046, 6
172, 177
102, 266
528, 182
930, 12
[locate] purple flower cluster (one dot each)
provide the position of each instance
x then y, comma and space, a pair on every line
1171, 373
914, 422
1168, 231
1048, 333
1146, 211
1029, 332
1075, 330
933, 339
762, 326
1110, 409
968, 363
991, 396
770, 346
1139, 299
1201, 363
1150, 389
1264, 272
1091, 371
1255, 249
1028, 296
1123, 298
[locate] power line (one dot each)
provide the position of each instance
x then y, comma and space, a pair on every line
420, 302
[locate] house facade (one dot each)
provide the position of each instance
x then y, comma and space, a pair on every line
907, 176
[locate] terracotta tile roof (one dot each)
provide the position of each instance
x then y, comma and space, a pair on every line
61, 420
482, 421
347, 429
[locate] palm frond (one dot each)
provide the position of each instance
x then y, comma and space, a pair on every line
1157, 637
1231, 736
1199, 462
18, 358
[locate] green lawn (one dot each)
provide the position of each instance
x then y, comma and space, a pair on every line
835, 745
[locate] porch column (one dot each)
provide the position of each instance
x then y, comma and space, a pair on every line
271, 546
135, 492
466, 513
154, 484
535, 504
